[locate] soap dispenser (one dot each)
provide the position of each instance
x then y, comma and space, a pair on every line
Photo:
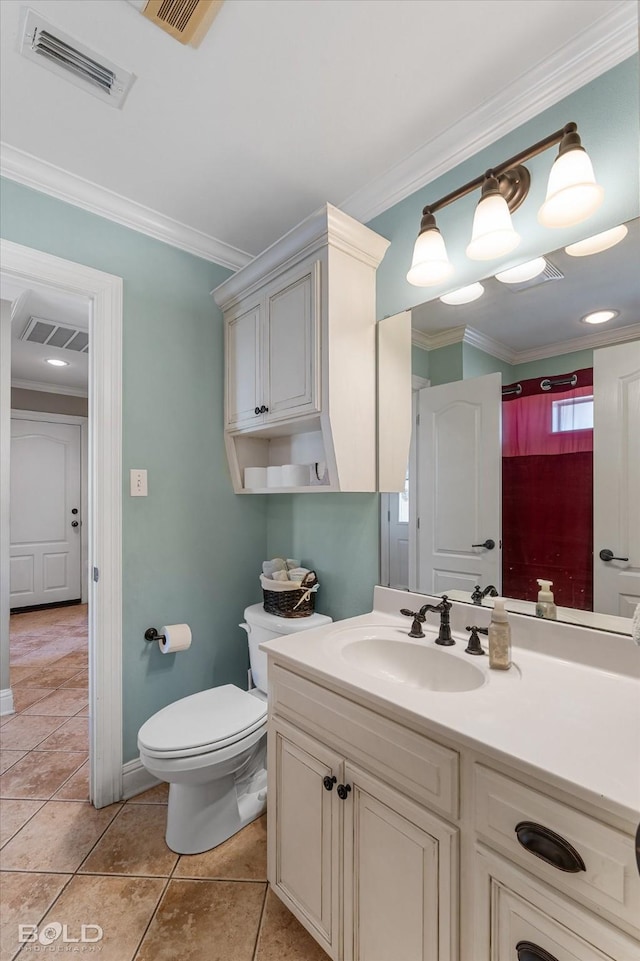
545, 606
499, 637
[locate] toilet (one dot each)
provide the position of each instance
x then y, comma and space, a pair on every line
212, 747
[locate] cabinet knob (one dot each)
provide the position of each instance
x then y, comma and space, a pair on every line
264, 409
257, 411
549, 846
329, 782
343, 791
528, 951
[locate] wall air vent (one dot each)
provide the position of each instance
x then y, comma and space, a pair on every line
41, 331
185, 20
550, 272
43, 43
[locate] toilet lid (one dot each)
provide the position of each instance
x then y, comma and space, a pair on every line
202, 722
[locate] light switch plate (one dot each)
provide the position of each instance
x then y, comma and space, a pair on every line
138, 480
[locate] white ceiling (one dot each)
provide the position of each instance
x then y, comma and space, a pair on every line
287, 103
544, 320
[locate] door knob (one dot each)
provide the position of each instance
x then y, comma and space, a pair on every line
607, 555
488, 544
75, 523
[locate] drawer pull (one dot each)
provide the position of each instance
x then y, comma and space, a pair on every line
550, 847
329, 782
527, 951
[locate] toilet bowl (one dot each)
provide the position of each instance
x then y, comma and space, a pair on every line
211, 747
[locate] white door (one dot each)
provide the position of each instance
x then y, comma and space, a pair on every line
616, 478
398, 534
459, 486
45, 531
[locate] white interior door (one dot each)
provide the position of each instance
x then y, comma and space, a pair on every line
45, 531
616, 478
398, 528
459, 486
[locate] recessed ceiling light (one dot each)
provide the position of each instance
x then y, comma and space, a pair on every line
463, 295
598, 243
523, 272
57, 363
599, 316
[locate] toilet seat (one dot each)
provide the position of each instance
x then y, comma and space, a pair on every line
202, 723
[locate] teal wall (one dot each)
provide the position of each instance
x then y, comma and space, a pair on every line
552, 366
477, 363
420, 362
445, 364
192, 548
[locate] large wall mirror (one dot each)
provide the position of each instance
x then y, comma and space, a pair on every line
526, 458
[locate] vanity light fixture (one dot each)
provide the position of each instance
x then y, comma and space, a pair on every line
597, 243
55, 362
463, 295
599, 316
523, 272
572, 196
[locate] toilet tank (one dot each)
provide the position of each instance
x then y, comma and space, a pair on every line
261, 626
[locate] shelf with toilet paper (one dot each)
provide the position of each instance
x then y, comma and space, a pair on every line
302, 365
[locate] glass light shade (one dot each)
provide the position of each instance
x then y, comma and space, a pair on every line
493, 234
430, 265
599, 316
572, 191
598, 243
57, 363
463, 295
523, 272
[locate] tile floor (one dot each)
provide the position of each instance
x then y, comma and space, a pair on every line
64, 863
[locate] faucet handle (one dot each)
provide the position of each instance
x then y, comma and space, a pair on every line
418, 620
477, 595
474, 646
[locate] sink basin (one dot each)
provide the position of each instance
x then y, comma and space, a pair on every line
413, 665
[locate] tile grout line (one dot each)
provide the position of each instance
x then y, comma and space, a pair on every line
136, 950
254, 956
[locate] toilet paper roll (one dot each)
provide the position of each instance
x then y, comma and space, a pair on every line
295, 475
177, 637
255, 477
274, 476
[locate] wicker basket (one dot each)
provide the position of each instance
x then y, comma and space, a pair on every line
299, 602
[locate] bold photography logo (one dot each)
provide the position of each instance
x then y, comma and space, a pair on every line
55, 931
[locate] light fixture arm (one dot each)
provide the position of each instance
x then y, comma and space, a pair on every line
567, 137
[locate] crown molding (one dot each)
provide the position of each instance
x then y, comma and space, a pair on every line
49, 388
604, 338
604, 45
40, 175
469, 335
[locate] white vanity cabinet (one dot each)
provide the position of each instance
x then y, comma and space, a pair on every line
369, 871
390, 844
271, 353
301, 360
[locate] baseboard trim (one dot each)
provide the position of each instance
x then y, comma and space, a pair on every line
6, 702
136, 779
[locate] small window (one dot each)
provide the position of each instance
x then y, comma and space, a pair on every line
575, 413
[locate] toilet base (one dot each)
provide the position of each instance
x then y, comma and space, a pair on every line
202, 816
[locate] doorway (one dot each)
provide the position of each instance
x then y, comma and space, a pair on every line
31, 268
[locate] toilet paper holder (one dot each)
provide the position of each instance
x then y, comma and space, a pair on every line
151, 634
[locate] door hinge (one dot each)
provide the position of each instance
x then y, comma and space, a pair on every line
418, 420
388, 517
96, 574
418, 523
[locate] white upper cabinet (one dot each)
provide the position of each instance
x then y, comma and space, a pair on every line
300, 359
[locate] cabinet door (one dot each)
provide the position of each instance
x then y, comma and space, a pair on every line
244, 383
303, 831
519, 918
293, 318
400, 877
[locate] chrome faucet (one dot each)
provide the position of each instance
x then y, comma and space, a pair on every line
478, 594
419, 617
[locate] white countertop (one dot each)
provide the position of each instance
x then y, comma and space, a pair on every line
575, 722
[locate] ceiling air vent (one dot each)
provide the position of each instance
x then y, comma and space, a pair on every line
41, 331
185, 20
550, 272
57, 51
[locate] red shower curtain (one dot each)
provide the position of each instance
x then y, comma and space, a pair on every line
547, 501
